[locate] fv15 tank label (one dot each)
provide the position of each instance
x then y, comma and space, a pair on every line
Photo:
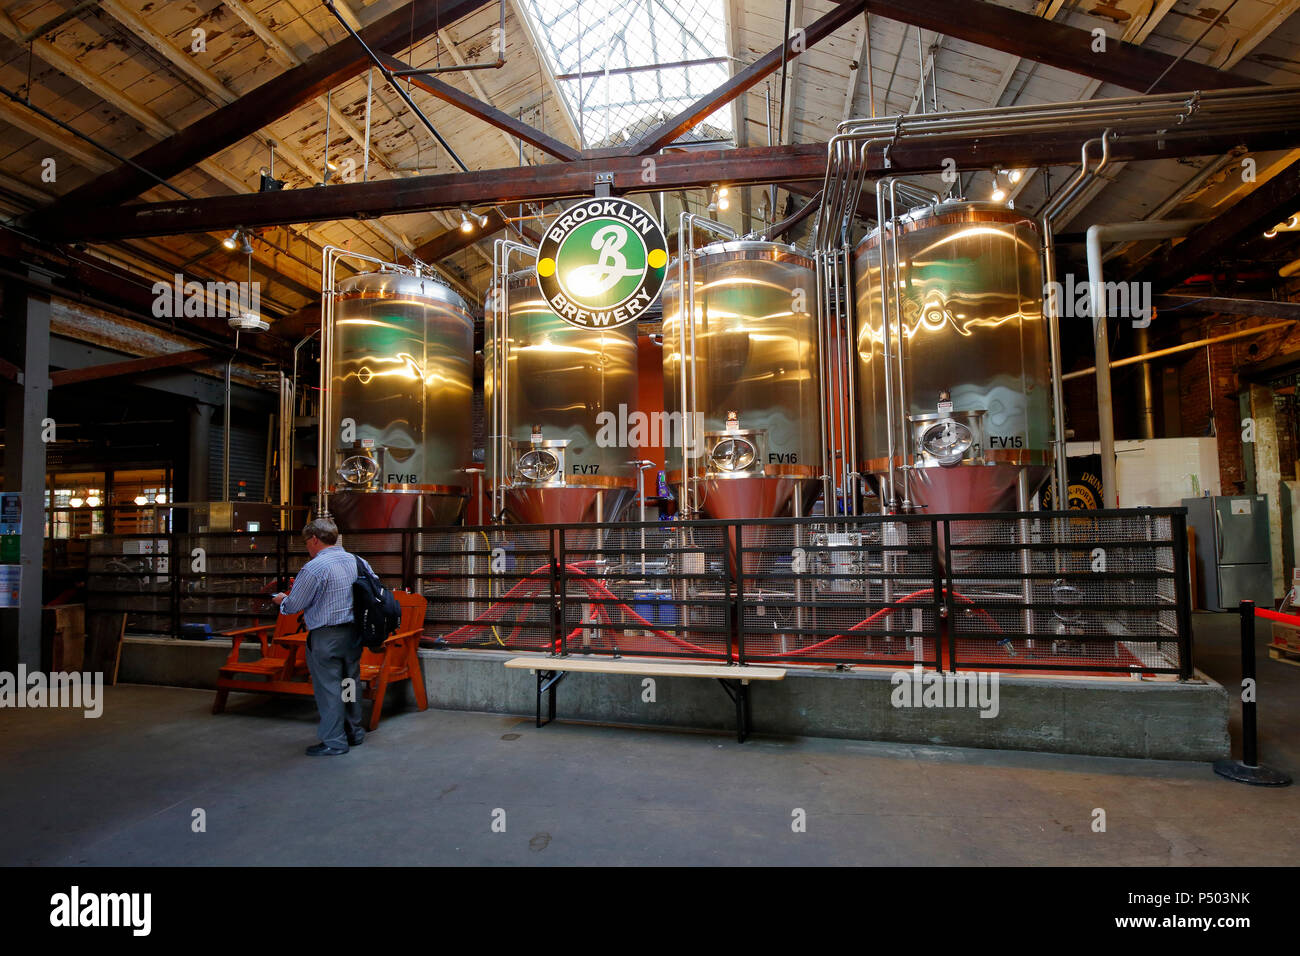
602, 263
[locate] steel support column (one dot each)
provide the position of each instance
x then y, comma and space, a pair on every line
27, 316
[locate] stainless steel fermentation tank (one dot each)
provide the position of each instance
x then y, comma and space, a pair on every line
960, 372
397, 368
556, 455
741, 378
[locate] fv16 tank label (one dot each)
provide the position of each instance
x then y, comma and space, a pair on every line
602, 263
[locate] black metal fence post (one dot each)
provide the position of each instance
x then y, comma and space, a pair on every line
1182, 593
408, 560
950, 617
559, 587
937, 595
1248, 770
174, 580
736, 607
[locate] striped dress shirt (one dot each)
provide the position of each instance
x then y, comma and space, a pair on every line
323, 588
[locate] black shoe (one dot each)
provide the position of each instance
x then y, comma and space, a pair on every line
323, 750
356, 741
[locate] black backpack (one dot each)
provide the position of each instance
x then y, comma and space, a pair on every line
375, 612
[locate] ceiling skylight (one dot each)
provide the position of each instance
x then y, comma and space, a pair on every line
624, 66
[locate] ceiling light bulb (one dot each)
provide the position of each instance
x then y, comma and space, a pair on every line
483, 221
1271, 234
465, 224
92, 501
246, 247
161, 498
141, 500
999, 194
723, 192
231, 241
724, 202
1015, 175
75, 502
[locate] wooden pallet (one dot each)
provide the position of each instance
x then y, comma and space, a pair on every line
1284, 654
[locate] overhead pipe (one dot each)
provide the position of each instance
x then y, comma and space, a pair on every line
1087, 172
1183, 347
1098, 233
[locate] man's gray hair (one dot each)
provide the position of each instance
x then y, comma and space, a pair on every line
324, 530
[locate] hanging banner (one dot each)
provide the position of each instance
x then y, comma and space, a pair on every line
602, 263
1084, 473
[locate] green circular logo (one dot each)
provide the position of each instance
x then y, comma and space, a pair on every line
601, 264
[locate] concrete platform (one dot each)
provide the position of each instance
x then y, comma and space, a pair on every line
1119, 717
423, 789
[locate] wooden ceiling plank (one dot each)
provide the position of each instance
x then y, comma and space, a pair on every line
1055, 44
274, 99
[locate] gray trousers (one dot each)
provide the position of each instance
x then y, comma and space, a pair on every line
332, 657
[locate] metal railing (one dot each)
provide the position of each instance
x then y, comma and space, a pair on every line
1101, 592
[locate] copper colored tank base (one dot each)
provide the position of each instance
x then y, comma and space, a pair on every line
567, 505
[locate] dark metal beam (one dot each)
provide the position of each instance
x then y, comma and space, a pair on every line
664, 134
558, 181
480, 110
137, 366
1055, 44
1264, 207
1206, 305
275, 98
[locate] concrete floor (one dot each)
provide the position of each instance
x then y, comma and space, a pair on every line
123, 789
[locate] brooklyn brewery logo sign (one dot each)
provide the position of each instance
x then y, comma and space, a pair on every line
602, 263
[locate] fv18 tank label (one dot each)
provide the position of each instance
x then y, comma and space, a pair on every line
602, 263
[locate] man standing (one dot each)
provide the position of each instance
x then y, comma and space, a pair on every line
323, 590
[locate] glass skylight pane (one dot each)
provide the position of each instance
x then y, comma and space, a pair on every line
587, 42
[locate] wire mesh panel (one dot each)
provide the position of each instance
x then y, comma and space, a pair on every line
1093, 592
848, 590
488, 587
659, 590
132, 573
383, 550
226, 580
1102, 592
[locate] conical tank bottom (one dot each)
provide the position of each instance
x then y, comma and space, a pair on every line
970, 489
734, 499
567, 505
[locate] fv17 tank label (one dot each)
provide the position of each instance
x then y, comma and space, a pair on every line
602, 263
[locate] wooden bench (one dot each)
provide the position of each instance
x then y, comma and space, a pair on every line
282, 668
734, 678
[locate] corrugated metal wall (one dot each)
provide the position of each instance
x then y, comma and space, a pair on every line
247, 459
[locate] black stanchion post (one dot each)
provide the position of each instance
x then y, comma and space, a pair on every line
1248, 770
